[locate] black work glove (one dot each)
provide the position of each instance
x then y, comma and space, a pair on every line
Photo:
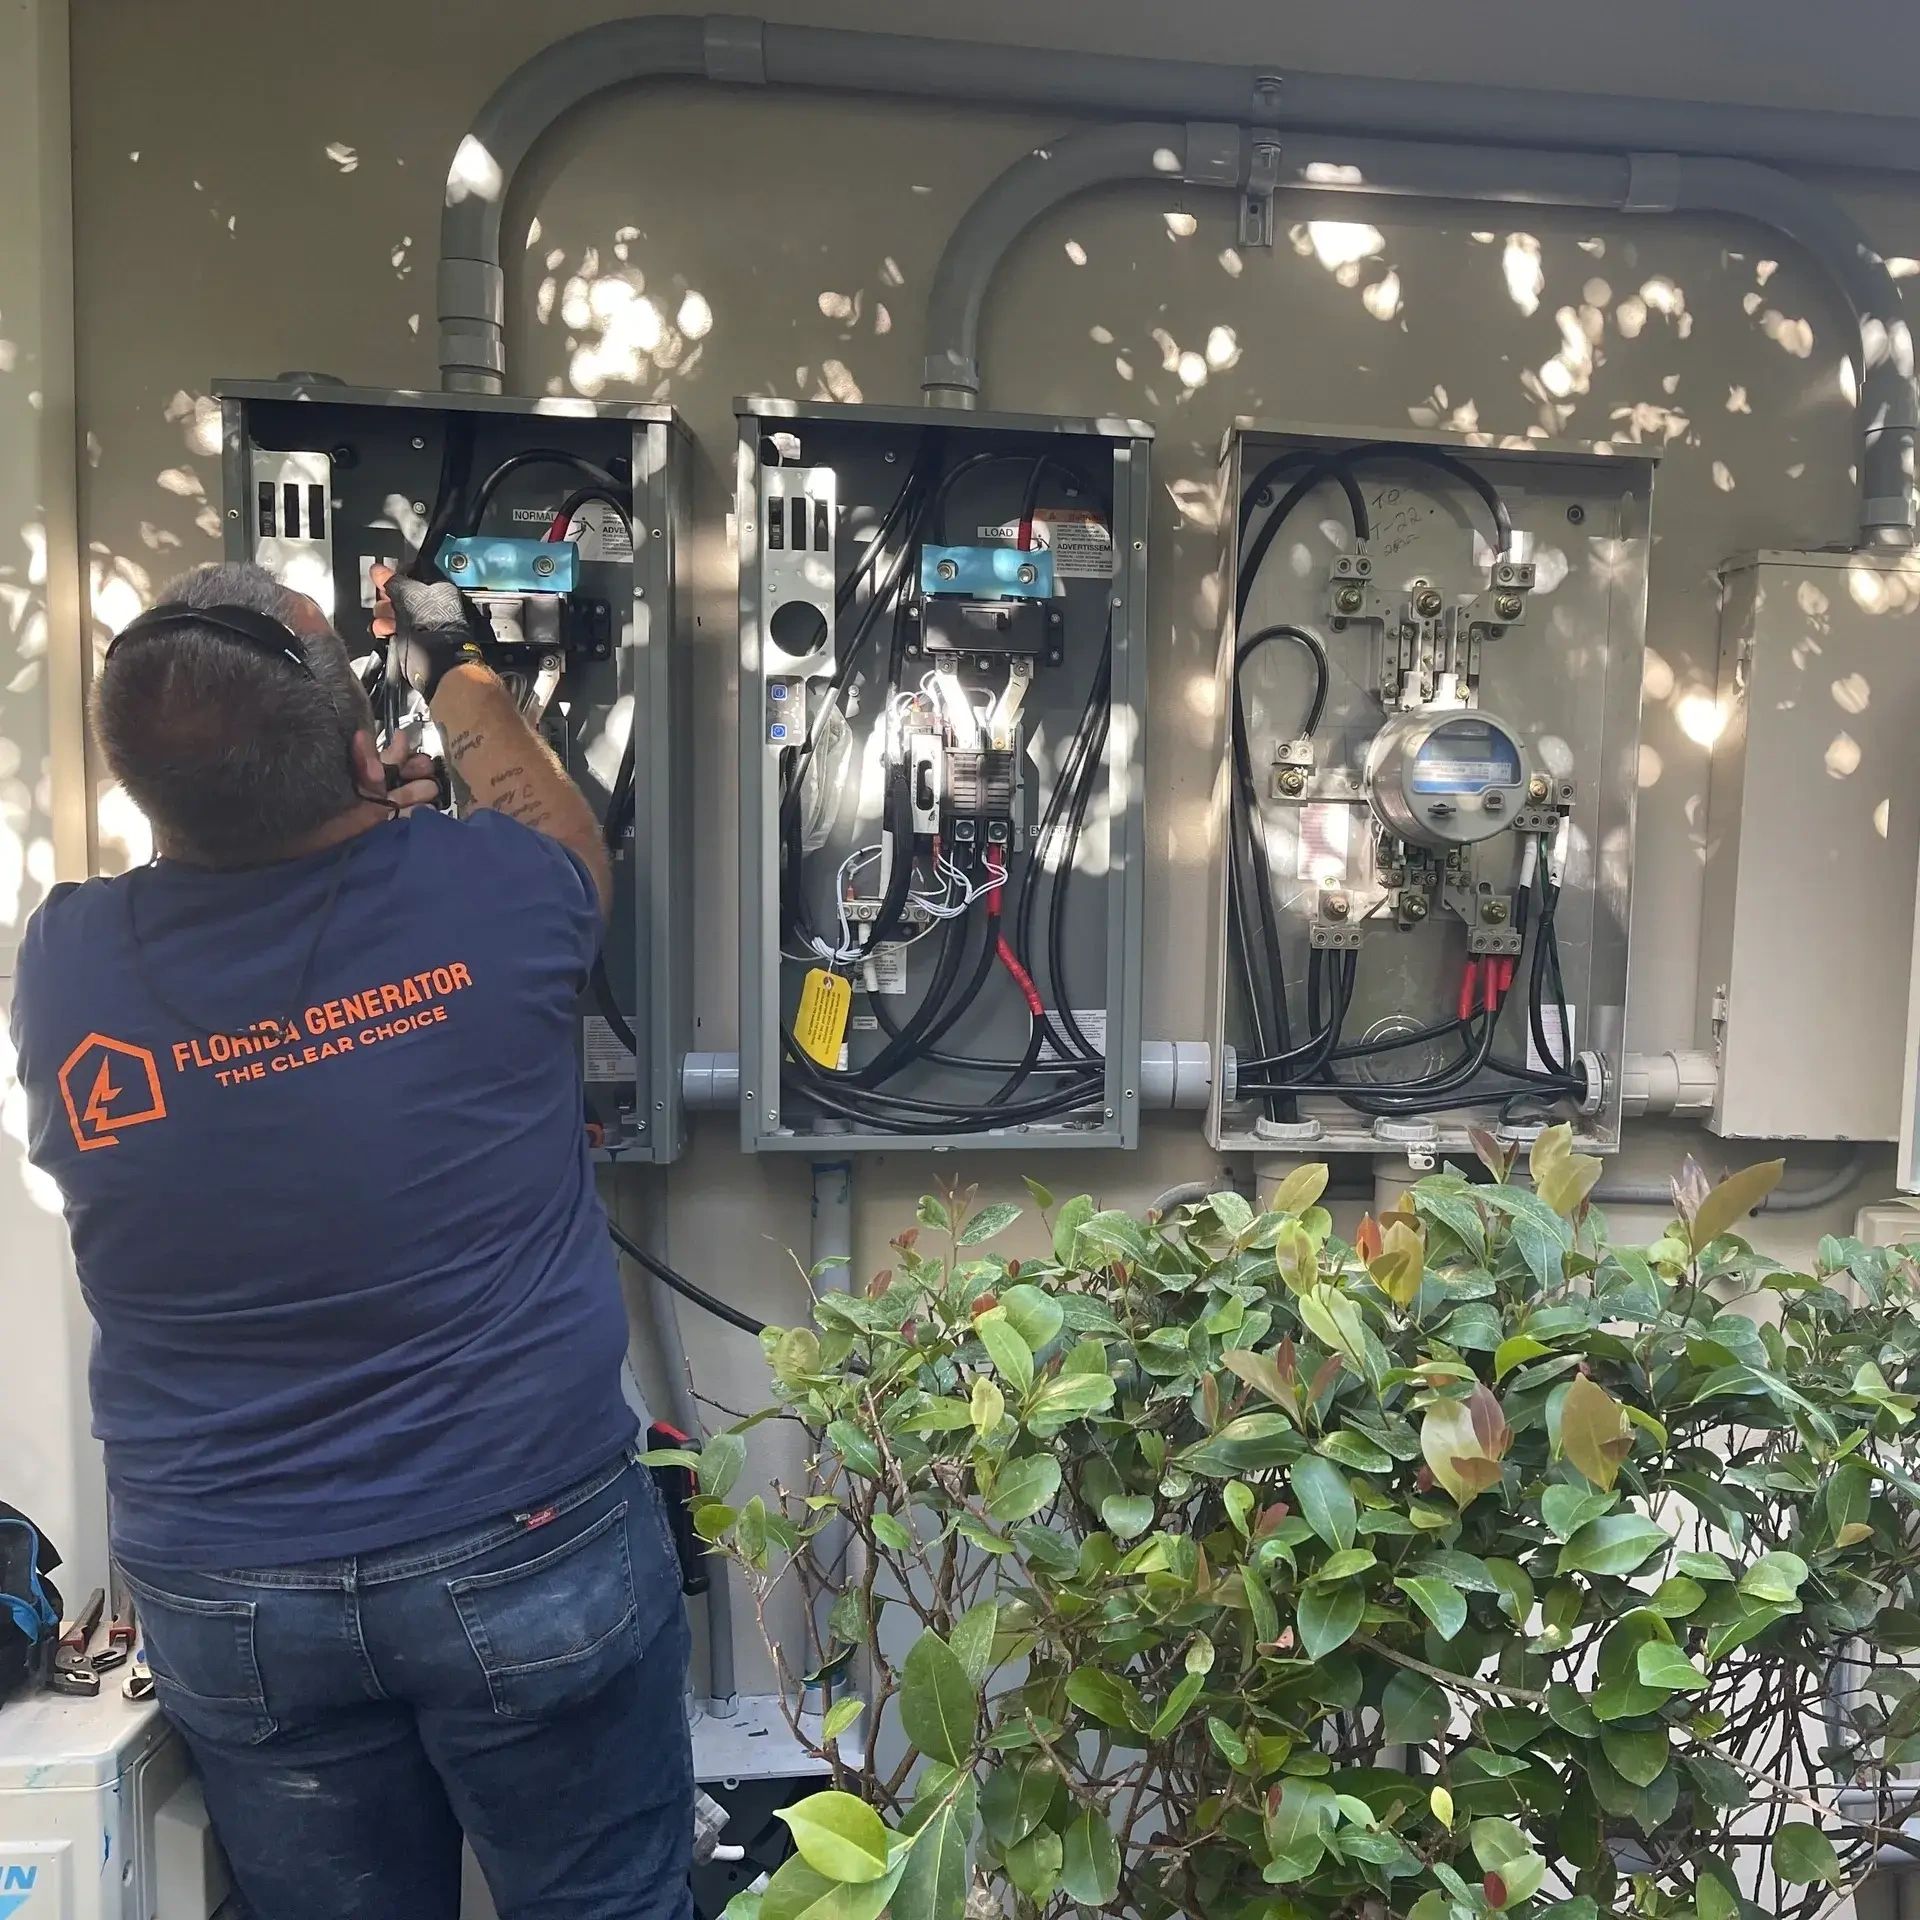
434, 630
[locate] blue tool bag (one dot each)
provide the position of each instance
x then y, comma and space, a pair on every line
29, 1601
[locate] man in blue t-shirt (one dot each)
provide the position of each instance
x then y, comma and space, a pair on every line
309, 1086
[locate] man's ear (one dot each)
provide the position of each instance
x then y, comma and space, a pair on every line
369, 770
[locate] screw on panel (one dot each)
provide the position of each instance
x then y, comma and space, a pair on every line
1413, 906
947, 570
1293, 781
1539, 787
1349, 599
1336, 907
419, 506
419, 442
1576, 513
233, 513
1139, 546
889, 456
1509, 606
1493, 912
457, 563
1026, 573
1427, 601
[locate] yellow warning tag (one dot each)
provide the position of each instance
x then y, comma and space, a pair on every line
820, 1024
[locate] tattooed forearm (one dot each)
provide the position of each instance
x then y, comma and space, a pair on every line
508, 768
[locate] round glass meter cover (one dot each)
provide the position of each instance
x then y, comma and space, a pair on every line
1467, 755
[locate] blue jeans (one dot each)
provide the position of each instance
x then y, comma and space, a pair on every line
520, 1682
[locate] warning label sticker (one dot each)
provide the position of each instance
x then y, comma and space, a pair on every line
887, 968
597, 529
1562, 1043
606, 1059
1092, 1022
1081, 546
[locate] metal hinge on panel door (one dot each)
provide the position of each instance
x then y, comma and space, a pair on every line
1718, 1018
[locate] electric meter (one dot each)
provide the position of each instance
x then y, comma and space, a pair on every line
1446, 779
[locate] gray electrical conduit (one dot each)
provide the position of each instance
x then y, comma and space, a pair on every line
1207, 155
742, 51
1618, 1193
738, 50
663, 1320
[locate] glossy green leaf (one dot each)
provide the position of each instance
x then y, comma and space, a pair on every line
1775, 1579
1036, 1316
1615, 1544
1325, 1500
838, 1836
933, 1883
972, 1640
840, 1716
1090, 1859
1014, 1799
1344, 1564
1660, 1665
938, 1702
1566, 1509
1413, 1710
1444, 1605
1804, 1856
1329, 1617
1011, 1356
721, 1459
797, 1892
1126, 1515
1022, 1487
1638, 1754
990, 1220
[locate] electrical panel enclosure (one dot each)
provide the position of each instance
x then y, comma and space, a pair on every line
1430, 692
570, 541
941, 694
1813, 843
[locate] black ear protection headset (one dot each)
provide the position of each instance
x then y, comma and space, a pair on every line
260, 631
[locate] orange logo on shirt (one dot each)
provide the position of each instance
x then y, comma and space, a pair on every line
109, 1085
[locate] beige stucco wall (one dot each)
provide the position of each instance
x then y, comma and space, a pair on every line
258, 187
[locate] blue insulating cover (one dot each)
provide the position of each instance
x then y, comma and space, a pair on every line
496, 564
988, 573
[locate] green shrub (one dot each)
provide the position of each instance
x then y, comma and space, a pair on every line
1216, 1567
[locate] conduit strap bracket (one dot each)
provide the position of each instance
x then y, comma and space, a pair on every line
734, 47
1653, 183
1215, 154
1256, 197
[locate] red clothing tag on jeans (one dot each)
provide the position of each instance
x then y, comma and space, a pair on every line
539, 1519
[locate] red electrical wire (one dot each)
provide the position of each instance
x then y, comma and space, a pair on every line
996, 863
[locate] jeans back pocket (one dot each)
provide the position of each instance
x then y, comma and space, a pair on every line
205, 1668
553, 1630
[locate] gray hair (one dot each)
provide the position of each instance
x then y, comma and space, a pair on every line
233, 755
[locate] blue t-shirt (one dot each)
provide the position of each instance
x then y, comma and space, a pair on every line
320, 1133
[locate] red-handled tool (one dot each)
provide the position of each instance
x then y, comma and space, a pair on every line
71, 1671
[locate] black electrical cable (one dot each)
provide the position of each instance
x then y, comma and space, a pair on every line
1251, 831
620, 501
531, 457
678, 1283
449, 497
1262, 482
620, 804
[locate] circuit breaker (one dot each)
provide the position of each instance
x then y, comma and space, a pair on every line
1812, 844
565, 526
1430, 690
941, 699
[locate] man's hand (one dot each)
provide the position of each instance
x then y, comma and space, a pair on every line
430, 625
414, 781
